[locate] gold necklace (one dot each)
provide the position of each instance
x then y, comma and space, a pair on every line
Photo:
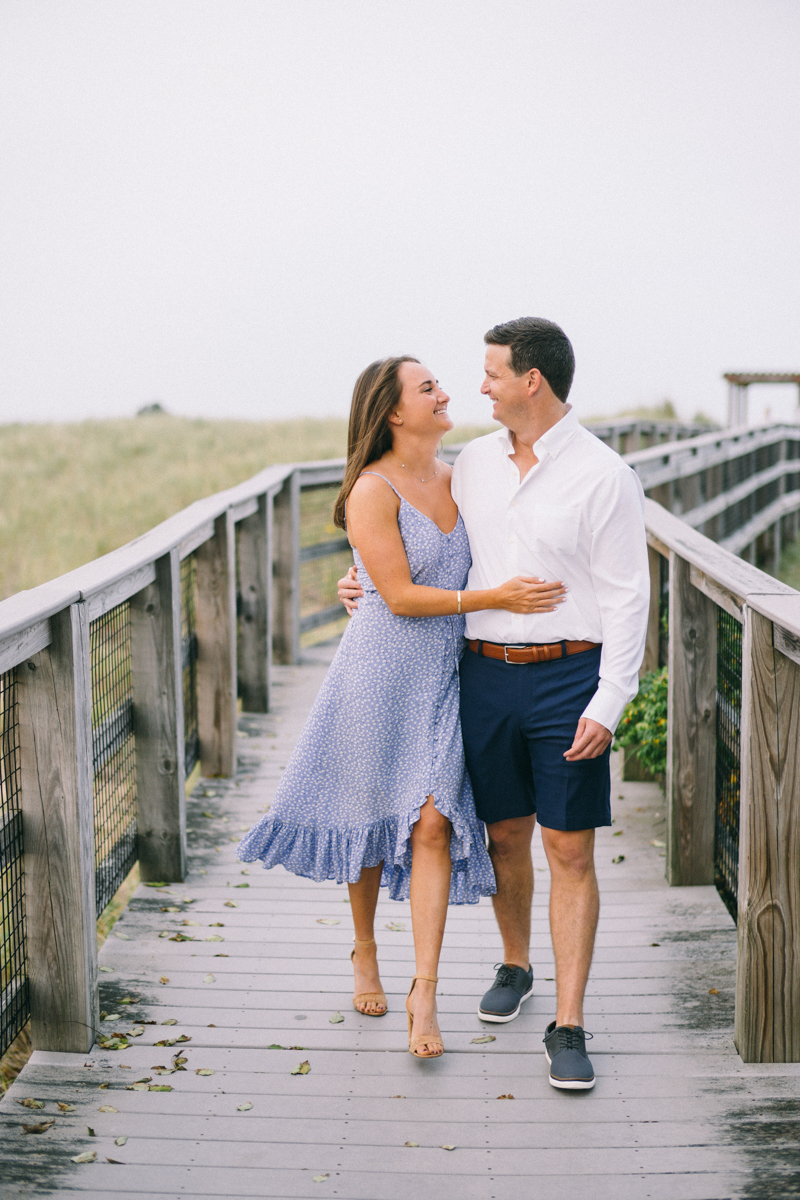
405, 468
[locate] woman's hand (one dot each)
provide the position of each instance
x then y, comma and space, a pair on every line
527, 594
350, 590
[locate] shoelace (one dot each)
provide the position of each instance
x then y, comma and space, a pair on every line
505, 975
569, 1039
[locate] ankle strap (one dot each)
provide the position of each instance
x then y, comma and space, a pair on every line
364, 941
430, 978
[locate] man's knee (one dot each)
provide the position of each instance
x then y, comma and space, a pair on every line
511, 838
569, 851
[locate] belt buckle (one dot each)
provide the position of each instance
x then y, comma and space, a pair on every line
518, 646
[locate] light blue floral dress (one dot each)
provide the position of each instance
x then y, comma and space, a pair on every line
383, 735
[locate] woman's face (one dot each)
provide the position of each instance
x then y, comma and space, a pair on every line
423, 405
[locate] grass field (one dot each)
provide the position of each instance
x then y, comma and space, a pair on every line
73, 492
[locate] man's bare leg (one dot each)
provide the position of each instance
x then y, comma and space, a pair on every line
510, 852
574, 909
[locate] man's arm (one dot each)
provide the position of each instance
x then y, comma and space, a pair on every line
621, 581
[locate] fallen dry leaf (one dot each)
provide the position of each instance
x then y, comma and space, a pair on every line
207, 814
90, 1131
115, 1162
301, 1069
107, 1108
448, 1147
62, 1107
336, 1019
137, 1087
120, 1141
505, 1096
209, 978
122, 936
136, 1031
29, 1102
103, 1087
320, 1178
398, 1097
486, 1037
164, 979
238, 885
171, 908
275, 1046
244, 1107
204, 1071
42, 1127
157, 885
395, 926
410, 1143
328, 921
231, 904
87, 1156
215, 937
713, 991
160, 1087
164, 933
216, 925
170, 1021
620, 858
181, 937
186, 921
107, 970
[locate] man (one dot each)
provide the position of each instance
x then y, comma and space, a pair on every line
542, 694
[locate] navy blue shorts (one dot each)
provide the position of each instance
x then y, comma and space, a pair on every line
517, 721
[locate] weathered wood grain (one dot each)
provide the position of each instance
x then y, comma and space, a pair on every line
216, 649
54, 688
691, 720
19, 646
286, 571
768, 968
254, 557
650, 661
155, 622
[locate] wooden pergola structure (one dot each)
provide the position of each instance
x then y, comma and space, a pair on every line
739, 382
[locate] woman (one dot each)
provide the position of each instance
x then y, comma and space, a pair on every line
375, 792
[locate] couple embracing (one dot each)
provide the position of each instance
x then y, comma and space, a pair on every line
498, 624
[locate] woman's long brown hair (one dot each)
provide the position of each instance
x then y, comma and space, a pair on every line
375, 396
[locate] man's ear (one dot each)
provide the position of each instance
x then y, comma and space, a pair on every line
534, 381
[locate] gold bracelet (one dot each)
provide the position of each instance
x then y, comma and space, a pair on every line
458, 594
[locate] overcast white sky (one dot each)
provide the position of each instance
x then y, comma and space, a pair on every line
232, 206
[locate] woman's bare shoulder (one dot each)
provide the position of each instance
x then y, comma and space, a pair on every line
373, 489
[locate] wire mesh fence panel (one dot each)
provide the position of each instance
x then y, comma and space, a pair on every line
113, 759
325, 557
729, 709
14, 1001
189, 661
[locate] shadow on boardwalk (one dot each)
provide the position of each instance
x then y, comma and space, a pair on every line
675, 1114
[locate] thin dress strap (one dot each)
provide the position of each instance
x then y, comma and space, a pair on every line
385, 480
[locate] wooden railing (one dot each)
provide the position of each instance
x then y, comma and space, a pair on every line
116, 678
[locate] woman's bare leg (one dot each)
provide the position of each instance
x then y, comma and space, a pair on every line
430, 887
363, 902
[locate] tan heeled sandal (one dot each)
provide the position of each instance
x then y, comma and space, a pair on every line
368, 997
431, 1039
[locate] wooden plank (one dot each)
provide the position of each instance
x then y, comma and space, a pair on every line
155, 617
245, 508
24, 644
786, 643
691, 753
106, 598
196, 538
253, 553
215, 563
54, 688
768, 967
723, 599
651, 646
286, 571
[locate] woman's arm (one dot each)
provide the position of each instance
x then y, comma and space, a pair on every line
372, 510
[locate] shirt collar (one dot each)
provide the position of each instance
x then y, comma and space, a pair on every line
552, 442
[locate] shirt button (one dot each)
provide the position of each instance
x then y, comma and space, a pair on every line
512, 538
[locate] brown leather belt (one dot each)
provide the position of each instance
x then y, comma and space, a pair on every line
529, 654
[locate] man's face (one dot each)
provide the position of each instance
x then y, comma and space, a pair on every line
510, 393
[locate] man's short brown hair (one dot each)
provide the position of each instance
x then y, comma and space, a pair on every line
537, 343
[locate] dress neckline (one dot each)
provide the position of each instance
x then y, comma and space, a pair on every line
427, 518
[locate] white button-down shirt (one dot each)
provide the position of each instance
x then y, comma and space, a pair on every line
577, 516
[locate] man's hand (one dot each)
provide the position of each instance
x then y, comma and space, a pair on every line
591, 739
349, 591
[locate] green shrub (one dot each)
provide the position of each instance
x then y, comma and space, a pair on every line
643, 728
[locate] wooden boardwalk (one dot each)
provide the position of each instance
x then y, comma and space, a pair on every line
675, 1114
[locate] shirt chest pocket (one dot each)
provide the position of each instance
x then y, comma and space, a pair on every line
555, 528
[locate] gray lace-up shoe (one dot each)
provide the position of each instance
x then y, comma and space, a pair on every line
570, 1065
502, 1002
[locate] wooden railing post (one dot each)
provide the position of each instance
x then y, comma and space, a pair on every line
254, 650
768, 966
215, 562
286, 569
155, 615
691, 724
653, 639
55, 697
